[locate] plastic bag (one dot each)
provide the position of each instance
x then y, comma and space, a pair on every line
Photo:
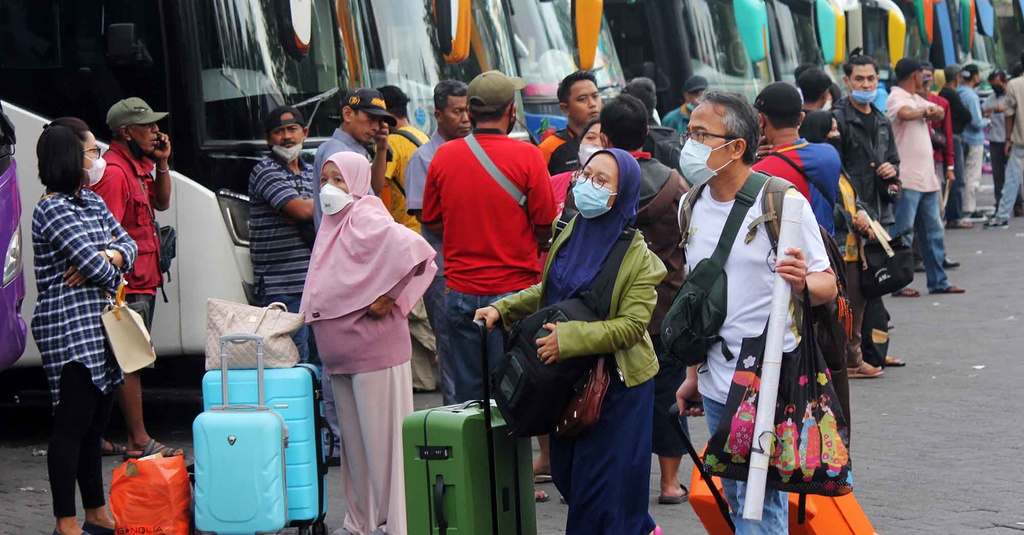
151, 496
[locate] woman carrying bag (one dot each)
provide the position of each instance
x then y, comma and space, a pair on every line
604, 474
80, 254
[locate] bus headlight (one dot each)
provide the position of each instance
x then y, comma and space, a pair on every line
12, 258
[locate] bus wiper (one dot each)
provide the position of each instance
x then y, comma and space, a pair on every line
318, 99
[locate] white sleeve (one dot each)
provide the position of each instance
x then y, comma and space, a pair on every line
810, 237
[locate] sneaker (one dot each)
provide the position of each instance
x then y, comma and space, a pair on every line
950, 264
997, 223
976, 216
919, 267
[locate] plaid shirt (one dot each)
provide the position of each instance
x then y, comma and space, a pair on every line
72, 232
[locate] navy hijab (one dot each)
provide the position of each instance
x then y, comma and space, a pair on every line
580, 258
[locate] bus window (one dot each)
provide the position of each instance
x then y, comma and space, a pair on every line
797, 41
30, 34
876, 38
717, 50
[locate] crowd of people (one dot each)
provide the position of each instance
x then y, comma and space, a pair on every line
392, 242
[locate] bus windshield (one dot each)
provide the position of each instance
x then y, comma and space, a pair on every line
717, 51
542, 35
916, 45
255, 55
400, 48
797, 39
607, 68
876, 38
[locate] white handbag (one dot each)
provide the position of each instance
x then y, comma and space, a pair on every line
127, 334
274, 323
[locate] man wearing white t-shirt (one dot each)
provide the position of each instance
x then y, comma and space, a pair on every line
727, 124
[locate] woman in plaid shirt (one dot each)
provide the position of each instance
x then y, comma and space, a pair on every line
81, 253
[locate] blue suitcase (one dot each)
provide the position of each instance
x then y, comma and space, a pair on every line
240, 462
295, 394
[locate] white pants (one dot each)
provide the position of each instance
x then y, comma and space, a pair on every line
974, 158
371, 407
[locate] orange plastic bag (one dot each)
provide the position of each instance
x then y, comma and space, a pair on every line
151, 496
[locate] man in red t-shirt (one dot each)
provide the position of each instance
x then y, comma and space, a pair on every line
136, 183
493, 227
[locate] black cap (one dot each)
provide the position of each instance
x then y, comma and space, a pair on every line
276, 118
906, 67
394, 96
371, 102
970, 71
695, 84
813, 83
779, 99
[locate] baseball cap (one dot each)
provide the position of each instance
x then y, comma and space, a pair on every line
695, 84
970, 70
905, 67
131, 111
371, 102
951, 72
276, 118
492, 91
779, 99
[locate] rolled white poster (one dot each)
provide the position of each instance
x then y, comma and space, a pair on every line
764, 423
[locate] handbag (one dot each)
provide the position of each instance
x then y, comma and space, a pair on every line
810, 441
888, 264
274, 323
127, 334
938, 140
584, 407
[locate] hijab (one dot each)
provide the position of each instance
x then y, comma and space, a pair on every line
580, 257
361, 253
816, 127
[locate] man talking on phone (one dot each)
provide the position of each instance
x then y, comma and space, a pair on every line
135, 185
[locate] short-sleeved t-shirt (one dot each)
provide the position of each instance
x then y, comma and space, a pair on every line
914, 142
821, 162
402, 150
750, 271
490, 244
415, 183
280, 258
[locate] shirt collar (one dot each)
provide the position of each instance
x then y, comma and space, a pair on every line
349, 141
142, 167
639, 154
489, 132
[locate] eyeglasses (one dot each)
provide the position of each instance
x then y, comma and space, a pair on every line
597, 182
700, 137
95, 150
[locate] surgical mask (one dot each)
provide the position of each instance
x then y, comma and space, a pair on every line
591, 201
586, 152
999, 90
693, 162
333, 199
96, 171
864, 97
827, 106
287, 154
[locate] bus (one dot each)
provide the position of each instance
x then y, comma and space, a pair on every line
13, 330
879, 29
796, 37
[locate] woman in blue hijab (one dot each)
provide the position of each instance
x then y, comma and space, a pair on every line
604, 474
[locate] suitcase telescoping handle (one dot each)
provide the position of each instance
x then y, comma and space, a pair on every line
491, 463
698, 464
241, 338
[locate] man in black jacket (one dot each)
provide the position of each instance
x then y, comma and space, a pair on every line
869, 145
961, 118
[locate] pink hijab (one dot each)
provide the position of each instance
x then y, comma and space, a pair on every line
361, 253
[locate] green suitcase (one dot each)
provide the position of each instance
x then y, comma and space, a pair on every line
465, 477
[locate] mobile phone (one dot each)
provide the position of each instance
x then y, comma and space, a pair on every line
690, 405
161, 142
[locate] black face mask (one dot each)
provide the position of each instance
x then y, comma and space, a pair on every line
999, 90
135, 149
837, 143
511, 120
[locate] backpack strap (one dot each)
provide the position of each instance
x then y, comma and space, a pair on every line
499, 177
599, 297
817, 185
771, 209
745, 198
409, 135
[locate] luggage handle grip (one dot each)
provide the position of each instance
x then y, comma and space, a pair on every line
698, 464
442, 522
238, 338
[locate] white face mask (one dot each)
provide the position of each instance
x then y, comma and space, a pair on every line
287, 154
693, 162
586, 151
95, 173
333, 199
827, 106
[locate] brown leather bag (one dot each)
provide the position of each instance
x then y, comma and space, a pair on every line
584, 407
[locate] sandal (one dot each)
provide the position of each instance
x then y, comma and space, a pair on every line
539, 496
907, 292
950, 290
540, 479
864, 371
675, 500
152, 448
893, 362
109, 449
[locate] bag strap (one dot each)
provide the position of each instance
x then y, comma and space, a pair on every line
771, 210
745, 198
817, 185
499, 177
599, 297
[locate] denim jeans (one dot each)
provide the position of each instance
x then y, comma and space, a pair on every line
918, 212
302, 336
955, 205
466, 344
1011, 187
433, 300
775, 518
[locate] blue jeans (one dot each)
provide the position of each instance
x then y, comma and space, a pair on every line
775, 518
1012, 183
433, 300
919, 212
466, 345
302, 337
955, 204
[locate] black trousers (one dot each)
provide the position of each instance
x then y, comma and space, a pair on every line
75, 453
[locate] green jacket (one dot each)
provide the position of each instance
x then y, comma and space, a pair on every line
625, 334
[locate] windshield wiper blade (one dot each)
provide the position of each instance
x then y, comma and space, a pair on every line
318, 99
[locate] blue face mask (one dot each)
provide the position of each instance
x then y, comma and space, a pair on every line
693, 162
864, 97
591, 201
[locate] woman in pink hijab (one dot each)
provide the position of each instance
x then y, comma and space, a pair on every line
365, 275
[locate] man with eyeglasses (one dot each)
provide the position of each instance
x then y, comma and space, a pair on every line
135, 185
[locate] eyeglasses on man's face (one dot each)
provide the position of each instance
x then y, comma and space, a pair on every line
701, 137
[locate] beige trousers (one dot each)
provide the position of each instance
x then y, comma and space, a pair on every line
424, 349
974, 159
371, 407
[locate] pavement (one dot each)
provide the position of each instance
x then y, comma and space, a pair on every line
934, 445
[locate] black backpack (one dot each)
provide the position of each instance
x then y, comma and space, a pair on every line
530, 394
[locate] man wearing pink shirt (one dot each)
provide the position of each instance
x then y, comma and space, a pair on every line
918, 209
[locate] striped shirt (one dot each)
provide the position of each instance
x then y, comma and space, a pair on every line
72, 232
280, 258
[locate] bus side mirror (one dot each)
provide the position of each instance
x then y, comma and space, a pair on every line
826, 19
124, 47
897, 33
454, 21
752, 21
587, 16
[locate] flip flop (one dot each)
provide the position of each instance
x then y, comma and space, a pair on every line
540, 479
856, 373
675, 500
540, 496
152, 448
907, 292
949, 290
893, 362
109, 449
